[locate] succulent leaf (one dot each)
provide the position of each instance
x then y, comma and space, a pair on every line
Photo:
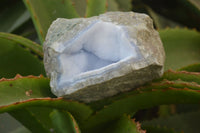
45, 11
16, 56
36, 48
170, 78
182, 75
124, 125
10, 125
64, 122
181, 47
95, 7
78, 110
160, 21
139, 101
17, 13
33, 124
80, 6
42, 114
185, 122
23, 88
185, 12
191, 68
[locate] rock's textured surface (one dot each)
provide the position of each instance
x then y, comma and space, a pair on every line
89, 59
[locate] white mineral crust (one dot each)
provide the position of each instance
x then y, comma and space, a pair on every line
89, 59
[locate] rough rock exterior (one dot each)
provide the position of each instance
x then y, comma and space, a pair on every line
123, 75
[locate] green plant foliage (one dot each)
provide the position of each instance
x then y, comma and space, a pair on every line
36, 48
17, 58
185, 12
41, 114
40, 108
186, 122
194, 5
176, 85
30, 101
64, 122
186, 41
32, 123
80, 6
170, 78
127, 104
95, 7
13, 17
182, 75
23, 88
160, 21
123, 125
135, 102
44, 12
10, 124
191, 68
79, 111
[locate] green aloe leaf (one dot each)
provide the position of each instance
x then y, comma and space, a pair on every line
95, 7
142, 100
22, 94
174, 79
39, 116
185, 122
44, 12
182, 75
79, 111
181, 47
36, 48
80, 6
124, 125
12, 16
64, 122
191, 68
9, 124
19, 55
160, 21
178, 81
185, 12
23, 88
29, 120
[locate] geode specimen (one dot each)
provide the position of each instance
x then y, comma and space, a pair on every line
89, 59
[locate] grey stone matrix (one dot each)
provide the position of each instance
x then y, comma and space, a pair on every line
124, 75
